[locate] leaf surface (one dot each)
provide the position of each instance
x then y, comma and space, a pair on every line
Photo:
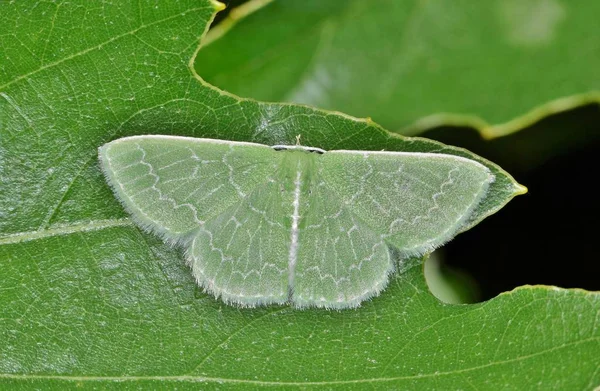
88, 300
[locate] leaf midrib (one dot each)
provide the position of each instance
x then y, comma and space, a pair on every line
64, 229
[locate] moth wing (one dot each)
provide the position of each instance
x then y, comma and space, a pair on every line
215, 199
369, 208
172, 185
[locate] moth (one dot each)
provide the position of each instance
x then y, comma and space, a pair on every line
290, 224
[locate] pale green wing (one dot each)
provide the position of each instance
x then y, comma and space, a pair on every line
366, 206
242, 256
416, 201
216, 198
340, 260
173, 185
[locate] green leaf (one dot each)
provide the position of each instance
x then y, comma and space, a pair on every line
497, 66
88, 300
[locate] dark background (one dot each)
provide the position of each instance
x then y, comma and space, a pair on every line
547, 236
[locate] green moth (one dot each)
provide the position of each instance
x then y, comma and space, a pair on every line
292, 224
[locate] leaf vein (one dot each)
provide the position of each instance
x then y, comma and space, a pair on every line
97, 47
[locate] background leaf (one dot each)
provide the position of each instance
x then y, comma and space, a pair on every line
414, 65
448, 285
90, 301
